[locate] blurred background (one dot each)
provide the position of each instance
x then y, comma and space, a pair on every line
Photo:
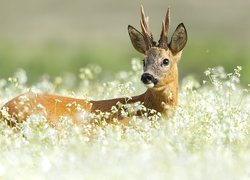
58, 36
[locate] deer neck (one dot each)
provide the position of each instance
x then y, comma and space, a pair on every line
161, 100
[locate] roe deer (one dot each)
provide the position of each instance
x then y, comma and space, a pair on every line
160, 75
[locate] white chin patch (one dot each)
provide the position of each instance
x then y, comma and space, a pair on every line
151, 85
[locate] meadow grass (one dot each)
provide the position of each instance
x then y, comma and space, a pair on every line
207, 138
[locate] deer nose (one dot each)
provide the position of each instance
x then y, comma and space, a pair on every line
147, 78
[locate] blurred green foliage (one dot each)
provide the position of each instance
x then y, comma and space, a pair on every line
53, 37
55, 58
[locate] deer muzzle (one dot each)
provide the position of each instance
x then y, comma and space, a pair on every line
149, 80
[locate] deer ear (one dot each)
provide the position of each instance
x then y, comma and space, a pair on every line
179, 39
137, 39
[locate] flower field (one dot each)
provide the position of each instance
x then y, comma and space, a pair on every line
208, 137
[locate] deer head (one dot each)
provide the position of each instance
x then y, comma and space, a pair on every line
160, 60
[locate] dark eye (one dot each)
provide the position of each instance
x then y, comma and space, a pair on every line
143, 61
165, 62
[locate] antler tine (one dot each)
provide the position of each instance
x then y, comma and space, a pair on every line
165, 29
144, 19
145, 28
167, 21
163, 37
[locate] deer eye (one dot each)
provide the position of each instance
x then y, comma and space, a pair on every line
165, 62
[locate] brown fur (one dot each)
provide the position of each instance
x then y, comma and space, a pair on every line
160, 97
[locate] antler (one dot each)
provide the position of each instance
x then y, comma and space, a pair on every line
147, 35
163, 42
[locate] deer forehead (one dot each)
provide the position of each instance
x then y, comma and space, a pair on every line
156, 54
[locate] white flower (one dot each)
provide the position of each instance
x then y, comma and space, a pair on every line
207, 72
